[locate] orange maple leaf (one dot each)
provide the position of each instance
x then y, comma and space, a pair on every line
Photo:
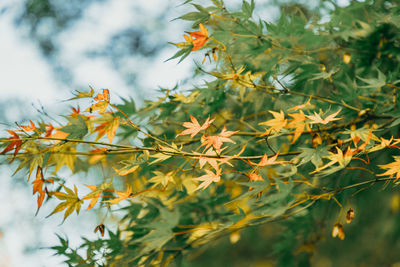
208, 178
217, 140
276, 124
199, 38
121, 196
316, 118
255, 177
269, 161
59, 135
30, 127
38, 186
103, 96
94, 198
101, 106
194, 126
49, 130
16, 143
297, 123
109, 128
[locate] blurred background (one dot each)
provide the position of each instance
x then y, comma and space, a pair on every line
48, 49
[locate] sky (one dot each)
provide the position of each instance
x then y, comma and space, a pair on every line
27, 76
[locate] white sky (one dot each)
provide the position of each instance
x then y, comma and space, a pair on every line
27, 76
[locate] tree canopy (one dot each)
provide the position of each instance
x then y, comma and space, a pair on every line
293, 134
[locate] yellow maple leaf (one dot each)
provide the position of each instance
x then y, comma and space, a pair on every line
392, 168
109, 128
121, 196
298, 123
342, 159
96, 192
101, 106
276, 124
71, 201
162, 178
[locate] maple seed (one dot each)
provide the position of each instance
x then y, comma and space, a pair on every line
100, 228
338, 231
350, 215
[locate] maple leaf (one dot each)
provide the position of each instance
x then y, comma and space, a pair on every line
59, 135
16, 143
64, 154
199, 38
30, 127
215, 162
269, 161
103, 96
127, 169
76, 128
392, 168
316, 118
101, 106
276, 124
109, 128
384, 143
159, 157
298, 124
75, 112
49, 130
217, 140
83, 94
342, 159
98, 154
121, 196
71, 202
212, 161
302, 105
255, 177
38, 186
208, 178
96, 192
162, 178
194, 126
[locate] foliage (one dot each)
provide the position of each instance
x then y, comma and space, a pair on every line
294, 120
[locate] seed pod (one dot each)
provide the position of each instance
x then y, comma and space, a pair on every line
350, 215
338, 231
100, 228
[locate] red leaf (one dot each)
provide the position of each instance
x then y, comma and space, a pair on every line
15, 144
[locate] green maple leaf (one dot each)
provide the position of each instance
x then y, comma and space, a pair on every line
314, 155
374, 83
76, 128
